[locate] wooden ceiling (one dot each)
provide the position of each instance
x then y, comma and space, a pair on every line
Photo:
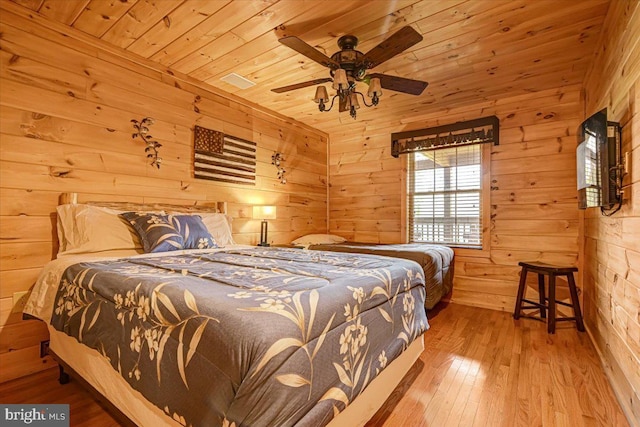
472, 51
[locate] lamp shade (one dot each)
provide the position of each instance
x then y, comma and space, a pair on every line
374, 87
321, 94
347, 103
340, 79
353, 98
264, 212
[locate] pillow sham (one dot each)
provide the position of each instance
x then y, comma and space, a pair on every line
155, 231
193, 231
85, 229
318, 239
219, 225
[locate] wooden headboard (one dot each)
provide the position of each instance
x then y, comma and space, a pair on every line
220, 207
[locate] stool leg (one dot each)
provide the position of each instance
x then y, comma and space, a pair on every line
551, 322
523, 283
543, 312
575, 302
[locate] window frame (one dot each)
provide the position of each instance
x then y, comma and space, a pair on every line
485, 200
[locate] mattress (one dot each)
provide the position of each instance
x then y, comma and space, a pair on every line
246, 336
436, 262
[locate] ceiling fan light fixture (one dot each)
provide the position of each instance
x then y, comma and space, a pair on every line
321, 95
340, 79
352, 104
321, 98
375, 89
353, 101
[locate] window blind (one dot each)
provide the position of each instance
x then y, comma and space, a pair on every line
444, 196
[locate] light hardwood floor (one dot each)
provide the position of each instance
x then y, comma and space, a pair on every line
480, 368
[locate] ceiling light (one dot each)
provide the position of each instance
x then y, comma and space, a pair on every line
347, 94
321, 95
375, 90
340, 80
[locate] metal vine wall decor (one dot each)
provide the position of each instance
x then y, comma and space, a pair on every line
276, 159
142, 131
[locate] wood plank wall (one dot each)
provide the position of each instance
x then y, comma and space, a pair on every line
612, 244
65, 108
534, 213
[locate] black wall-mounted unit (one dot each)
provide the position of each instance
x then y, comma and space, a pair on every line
598, 161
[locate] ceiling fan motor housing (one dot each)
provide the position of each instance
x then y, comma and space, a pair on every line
350, 59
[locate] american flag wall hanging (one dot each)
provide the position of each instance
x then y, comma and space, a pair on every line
224, 158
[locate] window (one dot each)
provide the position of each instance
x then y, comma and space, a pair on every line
445, 196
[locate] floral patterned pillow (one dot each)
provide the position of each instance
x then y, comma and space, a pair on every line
193, 231
156, 233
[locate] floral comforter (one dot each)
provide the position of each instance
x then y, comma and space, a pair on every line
251, 337
436, 261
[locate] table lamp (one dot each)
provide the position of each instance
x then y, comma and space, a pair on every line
264, 213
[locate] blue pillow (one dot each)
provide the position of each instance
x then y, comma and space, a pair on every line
156, 233
193, 231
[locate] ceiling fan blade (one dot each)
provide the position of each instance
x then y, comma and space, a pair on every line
308, 51
300, 85
400, 84
400, 41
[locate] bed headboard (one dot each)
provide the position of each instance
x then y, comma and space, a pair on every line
220, 207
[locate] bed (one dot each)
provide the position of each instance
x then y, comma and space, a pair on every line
233, 335
437, 261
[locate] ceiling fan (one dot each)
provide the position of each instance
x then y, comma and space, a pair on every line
349, 66
356, 63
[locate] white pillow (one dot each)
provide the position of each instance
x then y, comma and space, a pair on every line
85, 228
219, 226
318, 239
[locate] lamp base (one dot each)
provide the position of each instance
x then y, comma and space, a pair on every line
263, 234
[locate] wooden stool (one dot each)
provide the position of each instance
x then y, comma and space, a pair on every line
552, 272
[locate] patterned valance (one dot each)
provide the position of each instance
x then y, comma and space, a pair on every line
478, 131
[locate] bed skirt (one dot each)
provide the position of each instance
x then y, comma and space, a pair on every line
99, 374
